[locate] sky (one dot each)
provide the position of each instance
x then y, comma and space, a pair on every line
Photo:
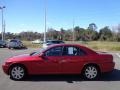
28, 15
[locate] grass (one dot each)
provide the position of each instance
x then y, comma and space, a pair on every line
101, 45
29, 44
96, 45
105, 46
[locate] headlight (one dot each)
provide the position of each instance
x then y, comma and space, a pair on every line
8, 63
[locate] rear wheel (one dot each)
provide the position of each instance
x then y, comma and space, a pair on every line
17, 72
91, 72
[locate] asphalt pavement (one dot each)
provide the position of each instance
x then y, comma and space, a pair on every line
58, 82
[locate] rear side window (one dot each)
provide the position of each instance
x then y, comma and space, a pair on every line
81, 52
55, 42
48, 42
13, 41
73, 51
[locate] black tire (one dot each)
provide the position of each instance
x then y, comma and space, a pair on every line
91, 72
17, 72
9, 47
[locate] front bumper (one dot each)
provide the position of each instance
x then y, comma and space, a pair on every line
5, 69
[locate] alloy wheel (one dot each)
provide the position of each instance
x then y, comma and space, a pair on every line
17, 73
91, 72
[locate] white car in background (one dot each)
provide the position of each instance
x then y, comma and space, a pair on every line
15, 43
37, 41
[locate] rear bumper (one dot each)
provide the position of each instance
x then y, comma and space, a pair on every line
107, 67
5, 69
2, 45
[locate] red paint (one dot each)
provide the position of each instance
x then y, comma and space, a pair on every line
61, 64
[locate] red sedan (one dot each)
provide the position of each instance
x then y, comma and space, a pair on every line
60, 59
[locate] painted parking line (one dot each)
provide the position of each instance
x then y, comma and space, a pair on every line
118, 55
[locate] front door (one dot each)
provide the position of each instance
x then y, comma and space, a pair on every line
51, 63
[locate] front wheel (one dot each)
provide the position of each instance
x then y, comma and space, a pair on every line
17, 72
91, 72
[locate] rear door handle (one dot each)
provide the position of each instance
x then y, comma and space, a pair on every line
55, 61
62, 61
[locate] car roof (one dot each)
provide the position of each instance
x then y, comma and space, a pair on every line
15, 40
65, 44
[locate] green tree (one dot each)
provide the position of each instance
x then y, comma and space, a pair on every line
62, 34
105, 34
92, 26
91, 32
79, 33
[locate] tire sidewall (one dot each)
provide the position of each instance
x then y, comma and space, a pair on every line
84, 75
10, 72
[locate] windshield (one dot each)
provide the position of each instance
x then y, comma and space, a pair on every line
38, 52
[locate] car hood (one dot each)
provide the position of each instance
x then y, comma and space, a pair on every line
24, 57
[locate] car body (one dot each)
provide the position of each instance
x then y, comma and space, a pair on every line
60, 59
51, 42
37, 41
3, 43
15, 43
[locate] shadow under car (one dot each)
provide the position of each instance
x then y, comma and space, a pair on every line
113, 76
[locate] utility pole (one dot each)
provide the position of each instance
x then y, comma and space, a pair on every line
45, 22
73, 31
2, 22
4, 29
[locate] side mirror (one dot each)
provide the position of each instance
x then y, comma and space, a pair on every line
42, 55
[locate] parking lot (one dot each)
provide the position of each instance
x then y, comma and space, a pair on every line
66, 82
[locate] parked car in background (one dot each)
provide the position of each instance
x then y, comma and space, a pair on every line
15, 44
60, 59
37, 41
3, 43
51, 42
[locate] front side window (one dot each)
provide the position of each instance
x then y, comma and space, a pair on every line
55, 51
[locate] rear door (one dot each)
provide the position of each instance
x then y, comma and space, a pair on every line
72, 60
